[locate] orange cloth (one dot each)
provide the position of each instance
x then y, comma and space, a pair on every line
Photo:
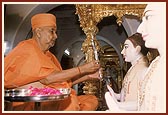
26, 63
43, 19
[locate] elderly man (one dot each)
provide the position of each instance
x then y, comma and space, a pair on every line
31, 63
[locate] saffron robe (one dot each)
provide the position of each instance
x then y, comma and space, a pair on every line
27, 64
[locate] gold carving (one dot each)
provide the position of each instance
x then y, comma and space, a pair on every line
96, 12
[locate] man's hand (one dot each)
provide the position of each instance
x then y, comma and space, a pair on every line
94, 75
90, 67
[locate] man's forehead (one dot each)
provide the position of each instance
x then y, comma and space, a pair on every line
49, 27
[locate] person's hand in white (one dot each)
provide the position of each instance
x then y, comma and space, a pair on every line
111, 102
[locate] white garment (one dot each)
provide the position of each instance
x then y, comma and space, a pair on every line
129, 92
154, 90
111, 102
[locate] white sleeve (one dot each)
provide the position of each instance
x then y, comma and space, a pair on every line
116, 106
111, 103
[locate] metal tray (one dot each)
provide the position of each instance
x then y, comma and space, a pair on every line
21, 95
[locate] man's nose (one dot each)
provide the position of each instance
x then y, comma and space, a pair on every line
55, 37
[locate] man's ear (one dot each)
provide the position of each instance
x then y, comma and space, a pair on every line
37, 30
138, 49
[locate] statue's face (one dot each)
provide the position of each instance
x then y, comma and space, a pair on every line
129, 52
152, 26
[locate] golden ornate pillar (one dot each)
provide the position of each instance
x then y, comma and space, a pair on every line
90, 46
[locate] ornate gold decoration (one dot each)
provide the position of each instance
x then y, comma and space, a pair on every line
89, 16
96, 12
91, 47
110, 60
